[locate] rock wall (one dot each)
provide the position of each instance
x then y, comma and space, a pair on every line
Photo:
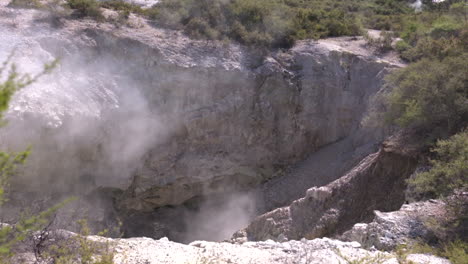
168, 120
388, 230
240, 128
376, 183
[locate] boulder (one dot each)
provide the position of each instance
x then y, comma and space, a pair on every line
391, 229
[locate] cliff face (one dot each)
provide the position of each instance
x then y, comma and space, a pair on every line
376, 183
236, 129
167, 119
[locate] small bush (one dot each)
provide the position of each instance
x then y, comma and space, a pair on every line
401, 46
445, 29
449, 170
412, 31
199, 28
12, 82
459, 10
428, 47
123, 7
261, 23
429, 95
25, 3
433, 34
86, 8
380, 22
455, 251
78, 249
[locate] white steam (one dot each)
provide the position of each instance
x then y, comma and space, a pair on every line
88, 123
218, 219
417, 5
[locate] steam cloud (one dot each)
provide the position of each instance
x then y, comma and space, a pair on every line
90, 124
417, 5
87, 123
217, 220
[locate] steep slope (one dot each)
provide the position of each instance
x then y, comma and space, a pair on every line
376, 183
320, 168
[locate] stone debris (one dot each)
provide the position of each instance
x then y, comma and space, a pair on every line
390, 229
318, 251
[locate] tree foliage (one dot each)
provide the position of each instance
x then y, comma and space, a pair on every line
87, 252
449, 170
86, 8
10, 235
13, 81
264, 23
430, 94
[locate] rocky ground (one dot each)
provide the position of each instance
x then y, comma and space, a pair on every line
319, 251
391, 229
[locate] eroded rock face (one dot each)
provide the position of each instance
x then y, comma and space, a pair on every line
210, 116
253, 122
419, 222
168, 120
377, 182
390, 229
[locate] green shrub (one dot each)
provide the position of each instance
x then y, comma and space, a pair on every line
433, 34
120, 5
279, 23
449, 170
380, 22
445, 29
85, 8
199, 28
412, 31
402, 46
459, 10
261, 23
433, 49
25, 3
79, 249
455, 251
8, 164
10, 235
430, 95
151, 13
